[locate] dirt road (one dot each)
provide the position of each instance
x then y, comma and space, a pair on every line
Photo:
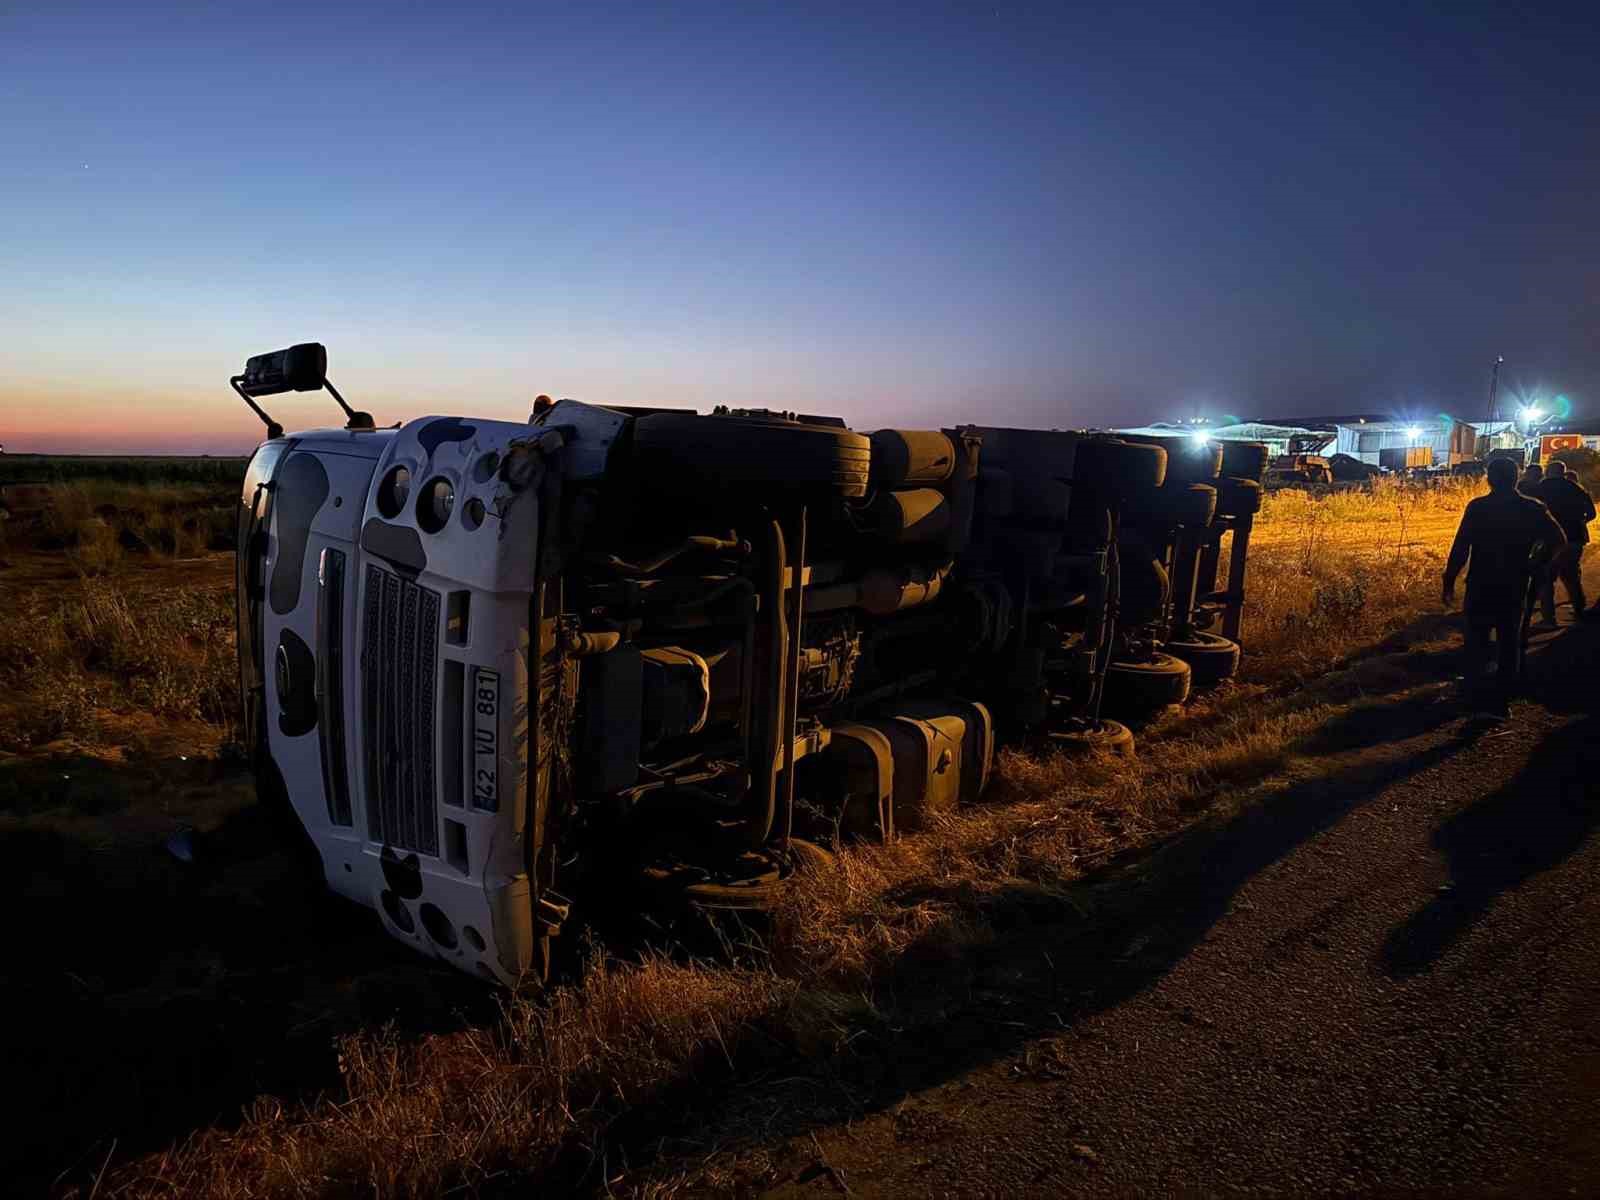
1384, 979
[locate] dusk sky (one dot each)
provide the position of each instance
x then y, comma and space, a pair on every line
914, 214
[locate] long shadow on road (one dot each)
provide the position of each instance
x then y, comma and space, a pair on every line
1530, 825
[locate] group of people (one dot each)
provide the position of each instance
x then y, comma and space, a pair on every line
1521, 539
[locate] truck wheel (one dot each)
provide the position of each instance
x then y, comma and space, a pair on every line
1191, 505
1137, 689
1238, 497
1103, 737
1189, 460
1119, 468
687, 451
1211, 658
1244, 460
751, 882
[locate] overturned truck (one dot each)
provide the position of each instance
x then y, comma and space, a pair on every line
488, 666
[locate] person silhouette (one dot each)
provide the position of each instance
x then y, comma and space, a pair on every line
1505, 536
1571, 505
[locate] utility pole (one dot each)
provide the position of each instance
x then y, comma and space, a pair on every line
1494, 381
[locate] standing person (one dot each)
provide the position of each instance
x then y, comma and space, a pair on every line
1571, 505
1532, 476
1505, 535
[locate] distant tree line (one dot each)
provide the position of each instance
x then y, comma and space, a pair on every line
64, 468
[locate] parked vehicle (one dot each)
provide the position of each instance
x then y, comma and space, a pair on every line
1303, 463
1347, 468
488, 666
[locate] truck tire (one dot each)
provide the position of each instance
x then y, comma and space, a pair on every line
1191, 505
687, 452
1238, 498
1211, 658
1245, 460
1189, 460
752, 883
1117, 468
1138, 689
1103, 737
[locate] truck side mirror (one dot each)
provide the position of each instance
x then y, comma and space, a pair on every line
302, 368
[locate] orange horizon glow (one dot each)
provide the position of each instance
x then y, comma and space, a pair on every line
45, 419
58, 420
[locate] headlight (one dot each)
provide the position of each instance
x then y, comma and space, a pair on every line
393, 492
437, 502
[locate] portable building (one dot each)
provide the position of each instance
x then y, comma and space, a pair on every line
1449, 440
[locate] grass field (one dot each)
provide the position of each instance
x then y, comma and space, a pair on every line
278, 1045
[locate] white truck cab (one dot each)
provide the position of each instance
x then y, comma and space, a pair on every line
386, 613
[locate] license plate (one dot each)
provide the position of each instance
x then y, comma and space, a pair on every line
485, 739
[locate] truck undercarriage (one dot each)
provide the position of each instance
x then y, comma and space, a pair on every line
489, 666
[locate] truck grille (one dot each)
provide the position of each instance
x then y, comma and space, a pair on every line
399, 660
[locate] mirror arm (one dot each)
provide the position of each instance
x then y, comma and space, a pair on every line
357, 420
274, 430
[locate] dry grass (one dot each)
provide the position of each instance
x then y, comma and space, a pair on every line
461, 1110
81, 657
97, 522
1330, 578
92, 651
